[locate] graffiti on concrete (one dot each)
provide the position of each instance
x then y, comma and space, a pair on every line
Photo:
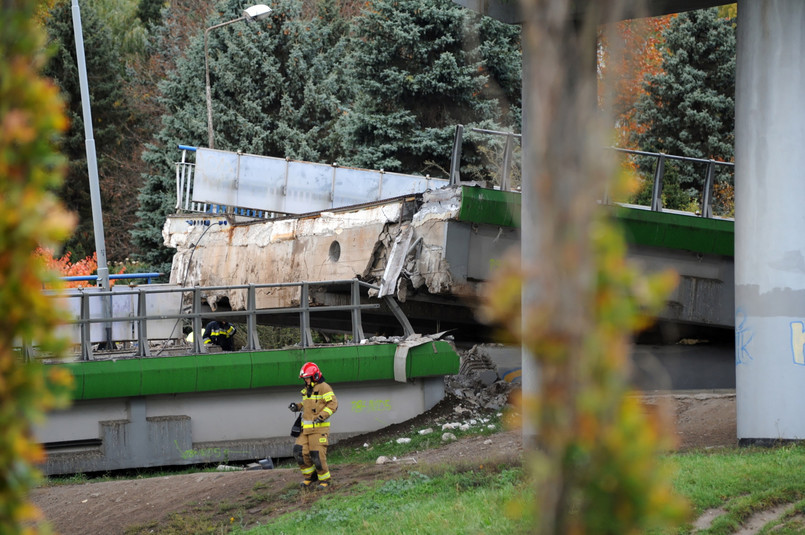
743, 336
798, 342
373, 405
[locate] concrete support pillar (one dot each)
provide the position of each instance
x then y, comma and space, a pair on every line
770, 221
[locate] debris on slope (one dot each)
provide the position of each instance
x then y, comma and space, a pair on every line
478, 382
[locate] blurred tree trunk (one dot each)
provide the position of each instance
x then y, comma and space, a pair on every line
580, 299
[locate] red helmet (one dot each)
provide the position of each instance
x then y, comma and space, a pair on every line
309, 369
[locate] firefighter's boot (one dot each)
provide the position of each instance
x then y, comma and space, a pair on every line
324, 485
309, 481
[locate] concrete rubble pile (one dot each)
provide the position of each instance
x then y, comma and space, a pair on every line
478, 382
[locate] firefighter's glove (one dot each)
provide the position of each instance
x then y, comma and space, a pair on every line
294, 407
319, 419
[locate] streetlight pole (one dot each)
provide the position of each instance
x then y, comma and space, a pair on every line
256, 12
92, 168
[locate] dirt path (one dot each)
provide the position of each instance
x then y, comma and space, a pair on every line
140, 505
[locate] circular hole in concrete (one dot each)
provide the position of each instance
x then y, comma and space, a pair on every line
335, 251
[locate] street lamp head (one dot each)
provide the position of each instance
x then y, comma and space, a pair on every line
256, 12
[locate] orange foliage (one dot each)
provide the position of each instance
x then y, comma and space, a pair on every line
623, 66
85, 267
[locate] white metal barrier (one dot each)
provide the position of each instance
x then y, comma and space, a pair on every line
257, 186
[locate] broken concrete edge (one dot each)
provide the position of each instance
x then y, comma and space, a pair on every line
364, 242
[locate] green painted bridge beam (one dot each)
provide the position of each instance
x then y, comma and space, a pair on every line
246, 370
642, 227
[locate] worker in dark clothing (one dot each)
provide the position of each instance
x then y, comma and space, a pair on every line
310, 450
221, 334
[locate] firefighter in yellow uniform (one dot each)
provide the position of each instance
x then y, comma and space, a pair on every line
318, 405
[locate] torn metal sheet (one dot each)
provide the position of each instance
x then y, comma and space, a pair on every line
401, 353
395, 261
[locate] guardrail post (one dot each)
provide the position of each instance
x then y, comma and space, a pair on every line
86, 337
304, 315
179, 184
28, 352
455, 159
656, 192
198, 329
189, 176
707, 195
143, 349
285, 183
507, 162
252, 340
332, 185
357, 324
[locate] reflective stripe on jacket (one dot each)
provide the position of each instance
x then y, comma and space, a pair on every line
320, 402
214, 331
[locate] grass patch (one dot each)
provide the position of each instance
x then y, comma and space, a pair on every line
119, 475
177, 524
445, 503
744, 481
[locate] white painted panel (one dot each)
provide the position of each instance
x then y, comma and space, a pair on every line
157, 303
216, 177
309, 187
356, 186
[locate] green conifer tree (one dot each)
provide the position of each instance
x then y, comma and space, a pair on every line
503, 59
150, 12
689, 108
308, 119
274, 93
109, 115
420, 72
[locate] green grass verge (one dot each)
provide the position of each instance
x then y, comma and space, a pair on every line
449, 502
742, 482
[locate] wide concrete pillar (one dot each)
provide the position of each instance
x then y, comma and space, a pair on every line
770, 221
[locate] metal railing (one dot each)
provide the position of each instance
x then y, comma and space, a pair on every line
706, 204
705, 208
185, 173
251, 313
114, 276
508, 154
